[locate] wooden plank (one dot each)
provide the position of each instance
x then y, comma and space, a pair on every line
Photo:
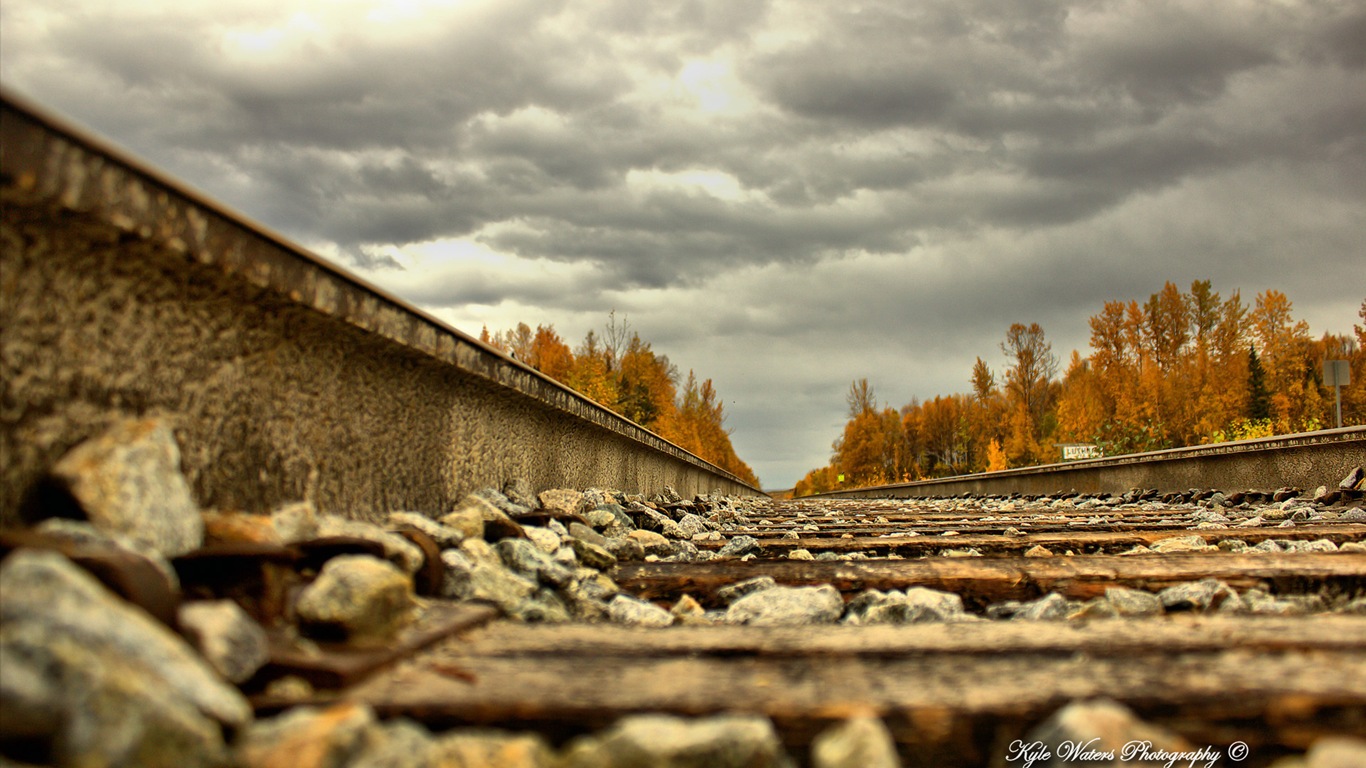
334, 665
981, 580
1106, 637
947, 693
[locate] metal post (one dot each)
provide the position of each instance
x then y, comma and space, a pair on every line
1337, 374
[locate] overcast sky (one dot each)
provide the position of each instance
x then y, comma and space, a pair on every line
784, 196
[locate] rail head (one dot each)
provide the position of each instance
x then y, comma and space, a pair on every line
1339, 449
51, 168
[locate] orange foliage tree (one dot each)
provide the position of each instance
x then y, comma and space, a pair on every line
1181, 368
622, 372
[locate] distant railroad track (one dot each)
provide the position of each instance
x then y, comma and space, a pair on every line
1304, 460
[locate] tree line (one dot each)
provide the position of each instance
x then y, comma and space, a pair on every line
619, 371
1181, 369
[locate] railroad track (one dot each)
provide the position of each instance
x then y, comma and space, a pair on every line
279, 378
951, 693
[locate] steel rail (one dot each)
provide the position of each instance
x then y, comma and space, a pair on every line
127, 294
1305, 460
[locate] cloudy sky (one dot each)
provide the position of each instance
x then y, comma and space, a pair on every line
783, 195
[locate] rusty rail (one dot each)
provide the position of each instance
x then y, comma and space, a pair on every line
1304, 460
126, 293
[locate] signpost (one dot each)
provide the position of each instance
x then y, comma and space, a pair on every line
1337, 374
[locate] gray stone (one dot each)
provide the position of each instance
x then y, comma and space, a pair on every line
1259, 602
686, 552
497, 511
475, 572
444, 535
859, 742
396, 744
357, 597
687, 606
524, 557
543, 607
99, 681
604, 521
586, 597
800, 554
1209, 516
128, 481
625, 549
739, 547
1078, 733
1095, 608
662, 524
1133, 602
468, 516
616, 520
230, 640
1353, 480
917, 604
781, 606
1353, 515
732, 592
664, 741
1050, 607
1203, 595
397, 549
592, 555
308, 737
501, 501
1356, 606
1317, 545
584, 533
635, 612
691, 525
598, 497
490, 748
564, 500
546, 540
652, 543
295, 522
1173, 544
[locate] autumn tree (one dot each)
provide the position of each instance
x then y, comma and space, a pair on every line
591, 374
1028, 391
1082, 407
864, 451
1354, 396
1284, 349
550, 355
944, 428
701, 429
987, 416
645, 385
